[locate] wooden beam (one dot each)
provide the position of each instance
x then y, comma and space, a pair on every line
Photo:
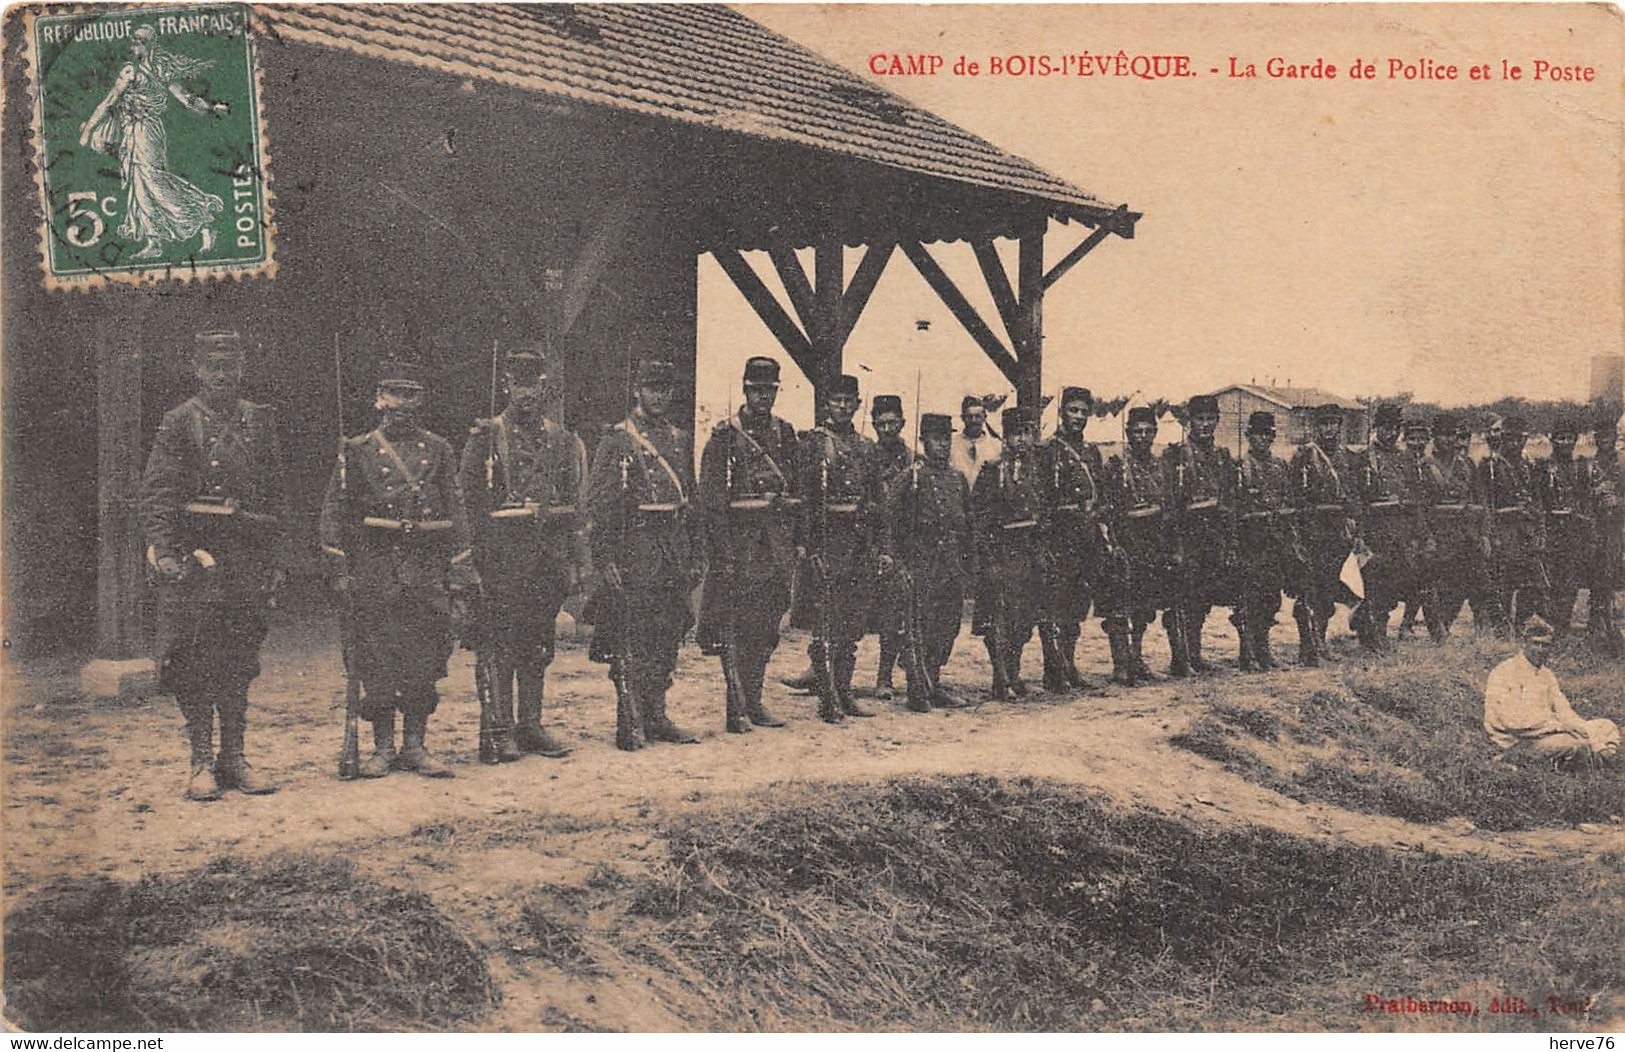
778, 322
961, 308
120, 575
1087, 246
1030, 347
863, 284
583, 277
998, 283
829, 281
796, 286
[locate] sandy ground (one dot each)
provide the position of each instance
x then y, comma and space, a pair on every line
97, 788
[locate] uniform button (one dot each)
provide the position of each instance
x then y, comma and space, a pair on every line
214, 463
385, 470
420, 445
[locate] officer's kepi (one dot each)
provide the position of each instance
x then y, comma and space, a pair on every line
761, 372
398, 372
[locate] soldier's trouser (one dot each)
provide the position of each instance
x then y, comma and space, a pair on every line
1254, 616
402, 651
1515, 586
522, 647
656, 617
1567, 551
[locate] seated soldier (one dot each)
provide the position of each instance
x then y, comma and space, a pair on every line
1525, 709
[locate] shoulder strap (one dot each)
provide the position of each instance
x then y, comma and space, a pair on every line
631, 428
733, 422
388, 448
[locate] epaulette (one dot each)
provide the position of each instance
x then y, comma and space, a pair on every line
257, 407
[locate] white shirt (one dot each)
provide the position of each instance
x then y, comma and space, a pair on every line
1522, 702
967, 455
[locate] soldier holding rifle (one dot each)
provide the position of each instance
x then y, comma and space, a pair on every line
1008, 499
894, 457
522, 477
1326, 501
1391, 524
1415, 496
1607, 570
1455, 525
1516, 579
1137, 579
394, 528
646, 550
1567, 484
213, 510
936, 548
1265, 538
1072, 474
749, 490
1202, 477
847, 540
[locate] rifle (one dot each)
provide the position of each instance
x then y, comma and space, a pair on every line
350, 755
487, 663
830, 701
735, 714
1001, 613
920, 687
1181, 607
629, 729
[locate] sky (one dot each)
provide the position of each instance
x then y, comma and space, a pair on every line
1458, 240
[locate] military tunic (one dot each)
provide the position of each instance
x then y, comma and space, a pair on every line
936, 546
1456, 527
1138, 492
1203, 483
213, 483
1266, 537
1325, 499
1392, 523
638, 498
395, 518
522, 484
749, 492
1008, 499
1073, 476
1515, 580
1607, 567
894, 458
1566, 490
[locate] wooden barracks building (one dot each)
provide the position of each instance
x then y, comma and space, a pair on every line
449, 176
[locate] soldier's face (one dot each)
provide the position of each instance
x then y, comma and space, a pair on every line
398, 399
1140, 436
1563, 446
840, 408
937, 448
655, 399
759, 398
1387, 435
1512, 443
1329, 432
1536, 649
1203, 427
220, 374
1260, 444
1416, 441
1075, 417
529, 393
889, 425
975, 418
1019, 440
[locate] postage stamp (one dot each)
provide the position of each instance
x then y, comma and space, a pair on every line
150, 146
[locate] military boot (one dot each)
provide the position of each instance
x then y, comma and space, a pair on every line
754, 672
1122, 655
499, 746
1261, 645
1069, 656
734, 719
1054, 680
1308, 649
829, 704
414, 754
201, 785
884, 688
1142, 671
1245, 659
1000, 688
528, 734
382, 760
1012, 671
658, 726
1193, 643
845, 665
1179, 665
231, 771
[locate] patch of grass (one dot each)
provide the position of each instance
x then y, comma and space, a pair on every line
966, 903
545, 932
1407, 739
296, 942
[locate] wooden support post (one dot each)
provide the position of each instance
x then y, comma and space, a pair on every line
120, 666
961, 309
829, 282
1030, 294
1071, 260
779, 323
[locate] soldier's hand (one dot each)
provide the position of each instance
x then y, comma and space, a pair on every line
170, 568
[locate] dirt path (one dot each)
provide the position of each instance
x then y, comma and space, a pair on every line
97, 788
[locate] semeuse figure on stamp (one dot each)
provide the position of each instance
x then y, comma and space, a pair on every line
213, 509
647, 556
394, 529
750, 495
522, 478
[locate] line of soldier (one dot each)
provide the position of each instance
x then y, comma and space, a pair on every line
866, 536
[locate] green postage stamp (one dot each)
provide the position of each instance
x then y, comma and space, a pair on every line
150, 146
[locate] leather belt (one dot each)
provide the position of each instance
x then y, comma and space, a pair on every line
1451, 508
841, 509
1328, 508
1519, 510
227, 508
1143, 511
530, 510
407, 525
1384, 504
772, 500
1202, 505
1022, 524
1249, 516
660, 509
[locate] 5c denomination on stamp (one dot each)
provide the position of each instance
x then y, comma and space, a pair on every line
150, 147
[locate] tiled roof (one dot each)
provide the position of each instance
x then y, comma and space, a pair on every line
701, 64
1294, 397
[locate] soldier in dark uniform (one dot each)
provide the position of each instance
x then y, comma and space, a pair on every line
393, 522
1008, 499
1416, 495
1516, 576
1072, 475
1566, 484
1607, 570
213, 509
1455, 526
894, 458
1391, 525
1265, 538
1136, 584
1325, 500
932, 528
1203, 510
522, 476
847, 539
749, 491
646, 550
